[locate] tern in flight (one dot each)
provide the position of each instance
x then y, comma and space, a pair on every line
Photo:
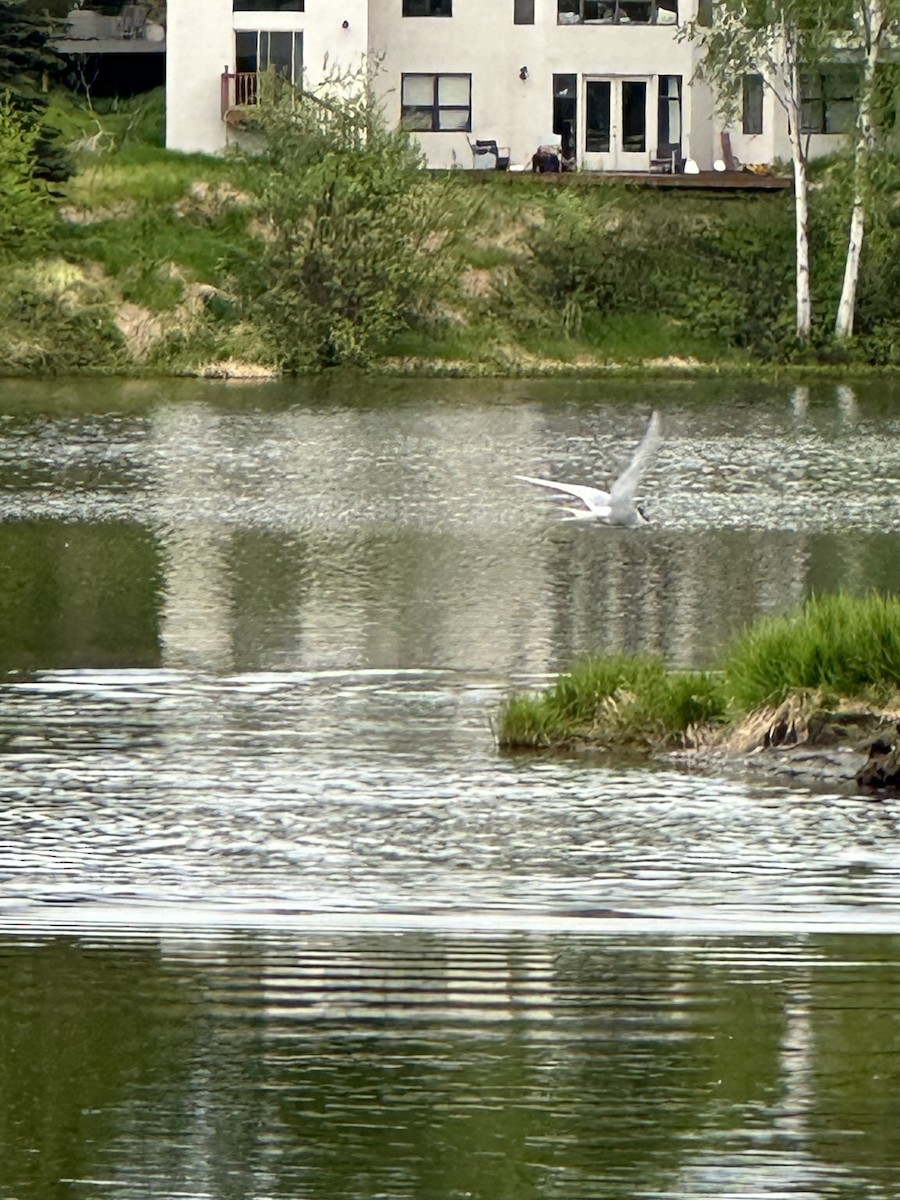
617, 506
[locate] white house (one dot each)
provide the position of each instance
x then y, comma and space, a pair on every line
609, 80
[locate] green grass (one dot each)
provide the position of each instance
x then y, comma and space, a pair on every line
612, 699
839, 646
637, 336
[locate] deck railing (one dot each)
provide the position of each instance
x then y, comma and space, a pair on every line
239, 88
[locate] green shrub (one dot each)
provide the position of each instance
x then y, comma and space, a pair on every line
723, 273
839, 644
361, 239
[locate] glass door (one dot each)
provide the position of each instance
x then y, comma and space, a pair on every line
615, 125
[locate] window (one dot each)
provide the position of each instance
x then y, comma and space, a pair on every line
752, 104
267, 5
617, 12
257, 50
828, 100
523, 12
438, 103
668, 131
428, 8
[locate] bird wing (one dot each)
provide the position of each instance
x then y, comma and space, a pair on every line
592, 497
626, 485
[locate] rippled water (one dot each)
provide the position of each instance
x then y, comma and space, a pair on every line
276, 919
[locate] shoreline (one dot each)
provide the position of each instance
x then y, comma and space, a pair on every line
429, 368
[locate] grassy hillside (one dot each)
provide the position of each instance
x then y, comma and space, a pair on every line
144, 272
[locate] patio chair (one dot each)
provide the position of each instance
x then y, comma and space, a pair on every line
488, 156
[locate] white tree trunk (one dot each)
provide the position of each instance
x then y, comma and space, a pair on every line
843, 326
801, 193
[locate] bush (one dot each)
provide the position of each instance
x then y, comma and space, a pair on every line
359, 239
725, 274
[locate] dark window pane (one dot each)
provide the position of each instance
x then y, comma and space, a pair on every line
565, 109
267, 5
634, 12
634, 116
597, 95
812, 105
523, 12
428, 8
245, 52
281, 54
752, 104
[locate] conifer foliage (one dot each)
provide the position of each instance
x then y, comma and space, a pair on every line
25, 57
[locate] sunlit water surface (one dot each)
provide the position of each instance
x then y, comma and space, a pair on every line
276, 919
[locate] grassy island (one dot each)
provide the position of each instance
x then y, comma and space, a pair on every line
838, 653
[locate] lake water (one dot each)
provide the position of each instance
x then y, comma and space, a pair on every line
276, 918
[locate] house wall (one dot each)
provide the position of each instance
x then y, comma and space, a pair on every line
773, 144
201, 44
481, 38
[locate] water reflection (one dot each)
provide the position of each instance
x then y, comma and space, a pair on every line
422, 1066
278, 530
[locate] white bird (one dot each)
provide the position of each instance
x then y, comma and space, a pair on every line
617, 506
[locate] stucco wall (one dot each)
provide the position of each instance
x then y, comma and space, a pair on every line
481, 38
201, 44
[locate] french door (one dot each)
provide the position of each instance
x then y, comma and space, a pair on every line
616, 124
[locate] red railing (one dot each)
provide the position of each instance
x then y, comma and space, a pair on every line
239, 88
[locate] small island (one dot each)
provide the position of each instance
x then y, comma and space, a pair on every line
813, 696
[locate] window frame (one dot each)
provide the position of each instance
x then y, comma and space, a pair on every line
263, 58
409, 7
436, 108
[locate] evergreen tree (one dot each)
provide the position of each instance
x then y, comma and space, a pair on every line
26, 208
25, 56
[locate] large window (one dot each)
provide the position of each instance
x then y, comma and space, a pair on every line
268, 5
752, 104
427, 8
257, 50
828, 100
617, 12
523, 12
439, 103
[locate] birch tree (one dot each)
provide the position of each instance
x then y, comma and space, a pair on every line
875, 21
776, 40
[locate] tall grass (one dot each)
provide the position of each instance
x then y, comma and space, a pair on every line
840, 644
613, 699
